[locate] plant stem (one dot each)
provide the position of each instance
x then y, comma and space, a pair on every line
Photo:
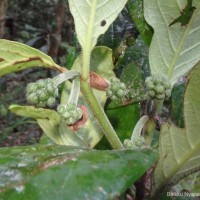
60, 78
100, 116
75, 91
139, 126
151, 124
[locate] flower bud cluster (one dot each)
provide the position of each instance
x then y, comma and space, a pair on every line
137, 143
116, 90
42, 93
70, 113
158, 87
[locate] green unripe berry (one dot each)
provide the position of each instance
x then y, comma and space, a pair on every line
120, 93
156, 79
128, 143
51, 101
168, 93
122, 86
71, 106
80, 113
61, 109
41, 83
70, 113
42, 95
114, 87
160, 96
32, 98
139, 141
66, 114
42, 92
51, 89
159, 89
151, 93
41, 104
116, 90
31, 87
150, 85
167, 85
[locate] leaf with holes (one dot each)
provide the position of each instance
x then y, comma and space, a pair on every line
175, 45
93, 17
64, 172
179, 148
15, 56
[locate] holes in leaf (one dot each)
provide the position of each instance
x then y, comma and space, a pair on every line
103, 23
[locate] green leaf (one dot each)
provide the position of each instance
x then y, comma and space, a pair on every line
179, 148
48, 120
124, 119
177, 104
15, 56
92, 18
175, 48
60, 172
135, 9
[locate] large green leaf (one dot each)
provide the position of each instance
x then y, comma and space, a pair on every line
93, 17
63, 172
175, 47
15, 56
180, 148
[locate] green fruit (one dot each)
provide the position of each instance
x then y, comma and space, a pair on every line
120, 93
61, 109
122, 86
42, 104
167, 85
168, 93
66, 114
41, 83
70, 113
31, 87
160, 96
51, 89
32, 98
151, 93
159, 89
43, 95
51, 101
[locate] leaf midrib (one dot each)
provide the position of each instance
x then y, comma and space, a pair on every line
88, 41
182, 42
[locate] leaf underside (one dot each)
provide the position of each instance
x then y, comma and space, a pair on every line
179, 149
15, 56
93, 17
174, 48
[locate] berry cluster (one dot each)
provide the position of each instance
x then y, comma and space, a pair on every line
70, 113
138, 142
158, 87
116, 90
42, 93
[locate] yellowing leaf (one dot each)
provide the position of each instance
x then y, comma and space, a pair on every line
15, 56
